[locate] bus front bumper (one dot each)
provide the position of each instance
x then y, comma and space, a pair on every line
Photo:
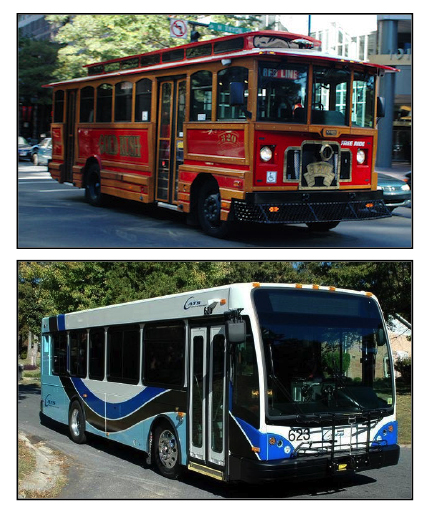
307, 207
313, 467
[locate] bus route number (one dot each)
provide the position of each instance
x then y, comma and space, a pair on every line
299, 434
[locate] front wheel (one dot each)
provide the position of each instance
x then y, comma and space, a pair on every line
77, 423
166, 451
209, 208
322, 226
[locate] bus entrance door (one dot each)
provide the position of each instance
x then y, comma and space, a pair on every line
70, 134
207, 403
172, 103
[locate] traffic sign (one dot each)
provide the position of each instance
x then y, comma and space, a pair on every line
178, 28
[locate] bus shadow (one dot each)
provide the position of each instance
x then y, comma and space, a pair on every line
118, 450
254, 234
314, 489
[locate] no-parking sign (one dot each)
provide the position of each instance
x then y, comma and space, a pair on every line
178, 28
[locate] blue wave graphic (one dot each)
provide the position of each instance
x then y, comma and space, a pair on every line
115, 410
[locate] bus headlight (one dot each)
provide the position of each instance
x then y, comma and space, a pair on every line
360, 156
266, 153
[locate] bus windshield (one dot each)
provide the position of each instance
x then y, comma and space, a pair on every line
282, 92
324, 352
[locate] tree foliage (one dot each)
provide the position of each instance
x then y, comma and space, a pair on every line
50, 288
95, 38
37, 61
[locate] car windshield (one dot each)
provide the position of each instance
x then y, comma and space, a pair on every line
325, 352
22, 141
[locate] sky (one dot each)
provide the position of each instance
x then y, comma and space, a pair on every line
353, 24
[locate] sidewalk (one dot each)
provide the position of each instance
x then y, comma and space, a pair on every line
398, 169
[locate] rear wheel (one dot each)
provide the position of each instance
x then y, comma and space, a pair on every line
77, 423
322, 226
166, 451
209, 209
93, 193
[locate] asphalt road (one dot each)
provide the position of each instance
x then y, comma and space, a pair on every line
105, 470
52, 215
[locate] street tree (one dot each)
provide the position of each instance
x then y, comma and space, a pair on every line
95, 38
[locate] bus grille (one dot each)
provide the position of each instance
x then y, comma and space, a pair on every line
304, 212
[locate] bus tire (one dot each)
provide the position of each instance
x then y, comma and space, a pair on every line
77, 423
322, 226
93, 190
209, 208
166, 451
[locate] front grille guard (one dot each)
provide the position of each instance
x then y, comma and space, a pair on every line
354, 454
308, 212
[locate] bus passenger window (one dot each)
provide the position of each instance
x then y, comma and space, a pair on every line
59, 106
224, 78
123, 354
201, 95
97, 353
104, 103
123, 102
78, 353
164, 349
86, 111
59, 354
143, 100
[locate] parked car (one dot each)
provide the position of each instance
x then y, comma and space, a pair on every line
395, 191
24, 149
42, 152
408, 178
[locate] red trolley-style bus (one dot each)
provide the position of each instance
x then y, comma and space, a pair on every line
255, 127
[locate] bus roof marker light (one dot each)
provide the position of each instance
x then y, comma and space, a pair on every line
256, 285
316, 286
298, 285
332, 288
369, 294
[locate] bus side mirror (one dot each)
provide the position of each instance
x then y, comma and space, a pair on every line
236, 331
380, 107
380, 337
236, 95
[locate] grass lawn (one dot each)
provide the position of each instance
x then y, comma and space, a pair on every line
404, 414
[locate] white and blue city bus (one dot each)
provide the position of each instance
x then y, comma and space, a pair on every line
251, 382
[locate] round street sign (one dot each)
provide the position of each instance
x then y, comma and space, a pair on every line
179, 28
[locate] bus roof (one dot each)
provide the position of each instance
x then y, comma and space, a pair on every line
255, 43
177, 306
